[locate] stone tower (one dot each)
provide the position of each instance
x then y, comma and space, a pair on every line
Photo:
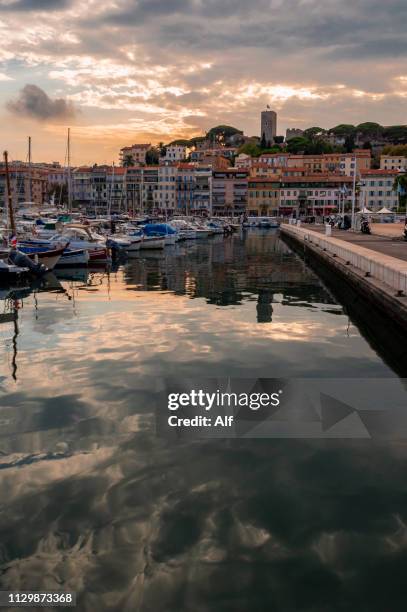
268, 126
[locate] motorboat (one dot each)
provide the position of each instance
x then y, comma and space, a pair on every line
186, 230
74, 258
47, 256
153, 242
10, 272
81, 237
170, 234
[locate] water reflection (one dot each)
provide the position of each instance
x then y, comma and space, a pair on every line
94, 502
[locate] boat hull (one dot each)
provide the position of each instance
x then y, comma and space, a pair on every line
74, 259
47, 258
149, 242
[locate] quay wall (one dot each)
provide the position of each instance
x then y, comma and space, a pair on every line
378, 279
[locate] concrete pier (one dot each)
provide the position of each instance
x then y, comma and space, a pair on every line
380, 278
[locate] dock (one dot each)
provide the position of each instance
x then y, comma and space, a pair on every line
373, 267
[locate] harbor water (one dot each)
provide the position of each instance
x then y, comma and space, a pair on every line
93, 501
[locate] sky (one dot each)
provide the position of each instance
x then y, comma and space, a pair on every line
126, 71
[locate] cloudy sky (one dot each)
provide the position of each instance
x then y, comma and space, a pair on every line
123, 71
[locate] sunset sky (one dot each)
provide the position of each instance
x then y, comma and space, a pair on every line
126, 71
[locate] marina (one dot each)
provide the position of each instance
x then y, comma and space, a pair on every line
112, 503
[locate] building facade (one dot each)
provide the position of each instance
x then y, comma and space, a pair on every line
229, 192
135, 153
175, 153
393, 162
263, 197
376, 190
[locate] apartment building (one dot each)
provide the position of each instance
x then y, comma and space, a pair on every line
313, 195
185, 187
376, 189
167, 187
202, 199
229, 192
393, 162
135, 153
175, 153
243, 161
28, 184
263, 197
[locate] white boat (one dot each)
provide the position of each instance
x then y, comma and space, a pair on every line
153, 242
171, 239
74, 258
185, 230
82, 238
135, 244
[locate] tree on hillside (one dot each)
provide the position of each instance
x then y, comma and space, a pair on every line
349, 143
128, 160
370, 127
278, 139
221, 133
396, 150
314, 132
397, 134
299, 144
250, 149
152, 156
343, 129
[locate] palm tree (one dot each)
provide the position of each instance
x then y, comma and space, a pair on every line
128, 161
400, 185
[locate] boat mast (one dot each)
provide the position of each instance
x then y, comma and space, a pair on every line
69, 171
30, 190
9, 196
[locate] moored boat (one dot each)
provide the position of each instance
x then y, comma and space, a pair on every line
153, 242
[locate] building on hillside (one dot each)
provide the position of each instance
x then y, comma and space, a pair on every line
275, 159
216, 161
197, 155
229, 192
243, 161
393, 162
264, 170
175, 153
376, 189
263, 197
293, 133
268, 129
136, 154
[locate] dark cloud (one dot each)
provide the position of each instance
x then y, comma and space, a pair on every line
35, 5
34, 102
282, 26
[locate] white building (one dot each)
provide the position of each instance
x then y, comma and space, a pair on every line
393, 162
376, 189
175, 153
